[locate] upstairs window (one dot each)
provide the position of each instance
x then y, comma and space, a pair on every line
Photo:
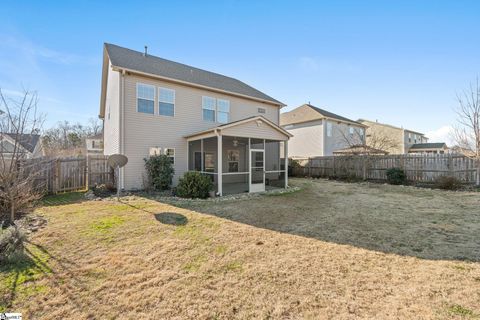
329, 129
145, 98
223, 110
166, 102
208, 108
351, 130
170, 152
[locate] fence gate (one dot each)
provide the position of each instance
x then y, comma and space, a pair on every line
71, 174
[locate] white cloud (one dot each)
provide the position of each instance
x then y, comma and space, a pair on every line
442, 134
32, 52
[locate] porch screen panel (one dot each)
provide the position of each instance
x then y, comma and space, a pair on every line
235, 165
194, 155
210, 163
274, 180
272, 156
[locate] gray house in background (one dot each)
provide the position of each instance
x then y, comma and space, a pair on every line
400, 140
203, 121
318, 132
28, 145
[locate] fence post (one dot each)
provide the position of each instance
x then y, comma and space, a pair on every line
333, 163
57, 175
87, 172
365, 160
450, 165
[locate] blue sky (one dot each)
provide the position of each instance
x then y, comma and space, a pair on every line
401, 62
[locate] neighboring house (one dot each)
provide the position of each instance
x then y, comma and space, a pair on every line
396, 140
202, 120
94, 144
317, 132
429, 148
30, 145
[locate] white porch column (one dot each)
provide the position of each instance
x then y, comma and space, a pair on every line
219, 164
286, 162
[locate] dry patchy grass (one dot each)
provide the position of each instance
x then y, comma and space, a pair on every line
329, 250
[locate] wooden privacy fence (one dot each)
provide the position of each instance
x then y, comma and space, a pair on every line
70, 174
418, 168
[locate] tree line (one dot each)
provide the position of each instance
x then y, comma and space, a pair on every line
68, 139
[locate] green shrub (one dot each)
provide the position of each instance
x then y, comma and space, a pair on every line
159, 171
448, 183
194, 185
396, 176
11, 243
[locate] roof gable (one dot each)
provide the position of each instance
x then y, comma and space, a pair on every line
239, 123
307, 112
149, 64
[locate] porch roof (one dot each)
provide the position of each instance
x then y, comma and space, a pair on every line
241, 128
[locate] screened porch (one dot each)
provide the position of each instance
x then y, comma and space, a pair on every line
239, 164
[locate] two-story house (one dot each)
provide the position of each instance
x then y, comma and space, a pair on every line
396, 140
202, 120
318, 132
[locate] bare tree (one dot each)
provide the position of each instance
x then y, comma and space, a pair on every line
19, 121
467, 132
372, 141
94, 126
66, 139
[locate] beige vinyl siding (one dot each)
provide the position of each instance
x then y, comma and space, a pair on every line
253, 130
143, 131
307, 140
112, 107
340, 137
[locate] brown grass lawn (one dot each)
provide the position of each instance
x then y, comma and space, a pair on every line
329, 250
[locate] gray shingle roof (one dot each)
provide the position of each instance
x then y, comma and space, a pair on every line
134, 60
307, 112
332, 115
434, 145
27, 141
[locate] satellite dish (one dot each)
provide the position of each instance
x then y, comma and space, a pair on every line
116, 161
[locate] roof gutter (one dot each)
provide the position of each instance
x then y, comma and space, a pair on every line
116, 68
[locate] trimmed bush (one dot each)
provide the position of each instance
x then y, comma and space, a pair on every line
448, 183
159, 171
194, 185
11, 243
396, 176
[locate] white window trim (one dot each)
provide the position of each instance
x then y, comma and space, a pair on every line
154, 93
214, 109
174, 101
218, 111
165, 153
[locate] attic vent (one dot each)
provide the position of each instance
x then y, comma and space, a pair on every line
262, 110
